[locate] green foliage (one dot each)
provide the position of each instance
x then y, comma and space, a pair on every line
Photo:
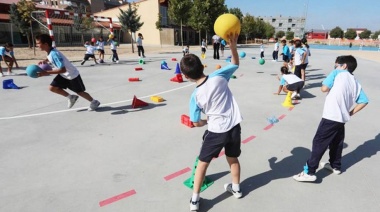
280, 34
337, 32
20, 15
248, 26
237, 12
365, 34
129, 19
350, 34
199, 20
289, 35
375, 35
269, 30
158, 22
179, 11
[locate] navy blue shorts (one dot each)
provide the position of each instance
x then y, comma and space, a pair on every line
75, 84
213, 143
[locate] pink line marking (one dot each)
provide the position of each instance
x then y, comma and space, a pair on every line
221, 153
281, 117
176, 174
117, 198
291, 108
250, 138
241, 75
268, 127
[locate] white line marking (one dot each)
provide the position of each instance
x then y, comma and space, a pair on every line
83, 108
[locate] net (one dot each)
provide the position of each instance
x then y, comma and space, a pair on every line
71, 29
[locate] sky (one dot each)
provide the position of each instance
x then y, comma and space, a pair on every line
320, 14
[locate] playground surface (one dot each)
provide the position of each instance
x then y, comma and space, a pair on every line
120, 158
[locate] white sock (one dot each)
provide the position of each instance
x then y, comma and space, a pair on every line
235, 187
195, 197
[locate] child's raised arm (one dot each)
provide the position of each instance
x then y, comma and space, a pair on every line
232, 40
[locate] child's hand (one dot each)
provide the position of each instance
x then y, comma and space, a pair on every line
232, 40
276, 93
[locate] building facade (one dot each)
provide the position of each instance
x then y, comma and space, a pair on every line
286, 24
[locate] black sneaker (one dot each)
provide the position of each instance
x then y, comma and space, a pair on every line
82, 62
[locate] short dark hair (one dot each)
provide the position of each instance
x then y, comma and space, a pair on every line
191, 66
284, 70
349, 60
8, 45
45, 38
283, 41
298, 43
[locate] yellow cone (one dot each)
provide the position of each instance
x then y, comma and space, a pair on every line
288, 100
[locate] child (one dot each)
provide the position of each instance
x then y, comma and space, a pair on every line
140, 48
262, 50
203, 48
213, 97
275, 50
90, 52
345, 98
7, 55
100, 43
306, 48
289, 82
222, 45
67, 75
113, 45
285, 52
291, 49
298, 63
186, 50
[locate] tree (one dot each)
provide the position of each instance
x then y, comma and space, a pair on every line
179, 12
269, 30
259, 31
159, 26
199, 19
237, 12
337, 32
20, 15
247, 26
350, 34
365, 34
280, 34
289, 35
129, 20
376, 35
82, 24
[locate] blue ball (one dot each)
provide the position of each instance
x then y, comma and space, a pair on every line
32, 71
242, 54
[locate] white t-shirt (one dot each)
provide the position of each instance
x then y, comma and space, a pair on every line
345, 92
261, 48
298, 54
307, 52
56, 58
90, 49
276, 46
113, 45
214, 98
139, 41
289, 79
216, 39
100, 45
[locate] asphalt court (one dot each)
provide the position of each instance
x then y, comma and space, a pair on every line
123, 159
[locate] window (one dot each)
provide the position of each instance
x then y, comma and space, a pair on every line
164, 15
273, 20
290, 20
280, 25
289, 29
293, 25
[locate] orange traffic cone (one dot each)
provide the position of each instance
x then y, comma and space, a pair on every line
138, 103
177, 78
288, 100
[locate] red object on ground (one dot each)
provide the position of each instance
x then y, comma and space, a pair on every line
138, 103
177, 78
138, 69
174, 59
134, 79
186, 121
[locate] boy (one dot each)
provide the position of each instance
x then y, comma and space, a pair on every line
140, 48
203, 48
299, 54
100, 47
344, 93
113, 45
275, 50
285, 52
90, 52
67, 74
262, 49
223, 118
7, 55
186, 50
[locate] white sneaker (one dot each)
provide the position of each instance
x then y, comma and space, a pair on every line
298, 96
117, 61
294, 94
228, 188
1, 74
330, 168
194, 206
303, 177
72, 100
94, 105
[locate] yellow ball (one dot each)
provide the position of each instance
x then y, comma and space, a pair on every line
227, 24
111, 36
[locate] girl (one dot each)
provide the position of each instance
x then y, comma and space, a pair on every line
289, 82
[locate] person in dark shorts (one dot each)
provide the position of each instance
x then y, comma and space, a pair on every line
68, 76
289, 82
223, 118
